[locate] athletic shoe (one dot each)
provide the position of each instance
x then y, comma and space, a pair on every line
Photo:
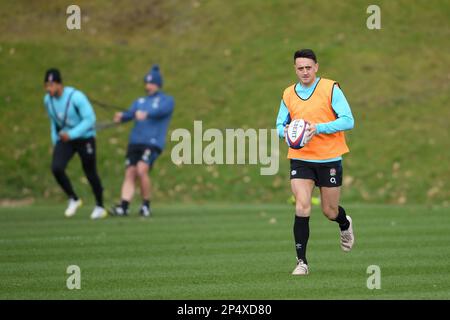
117, 210
72, 207
99, 213
347, 237
145, 211
301, 269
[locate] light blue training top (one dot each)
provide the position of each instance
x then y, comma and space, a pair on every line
75, 116
344, 118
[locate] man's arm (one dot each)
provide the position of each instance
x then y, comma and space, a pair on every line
129, 114
53, 131
343, 112
87, 115
165, 108
283, 119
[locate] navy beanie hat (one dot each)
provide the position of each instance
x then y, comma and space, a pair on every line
53, 75
154, 76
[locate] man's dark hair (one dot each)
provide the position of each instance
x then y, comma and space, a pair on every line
305, 53
53, 75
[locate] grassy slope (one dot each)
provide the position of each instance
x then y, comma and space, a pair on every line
222, 252
227, 63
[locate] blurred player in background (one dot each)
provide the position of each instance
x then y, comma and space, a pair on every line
322, 103
152, 115
72, 120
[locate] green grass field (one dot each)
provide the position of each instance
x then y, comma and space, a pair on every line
222, 251
227, 63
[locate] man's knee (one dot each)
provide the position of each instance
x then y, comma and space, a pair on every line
57, 169
330, 211
142, 174
142, 171
302, 209
130, 173
88, 165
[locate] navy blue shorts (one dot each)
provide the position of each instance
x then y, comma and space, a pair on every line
326, 174
141, 152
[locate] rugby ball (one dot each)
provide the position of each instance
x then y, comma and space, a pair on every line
296, 137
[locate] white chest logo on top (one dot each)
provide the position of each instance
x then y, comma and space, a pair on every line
155, 103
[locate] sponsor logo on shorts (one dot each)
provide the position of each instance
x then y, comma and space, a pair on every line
89, 149
333, 180
146, 154
332, 172
293, 172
